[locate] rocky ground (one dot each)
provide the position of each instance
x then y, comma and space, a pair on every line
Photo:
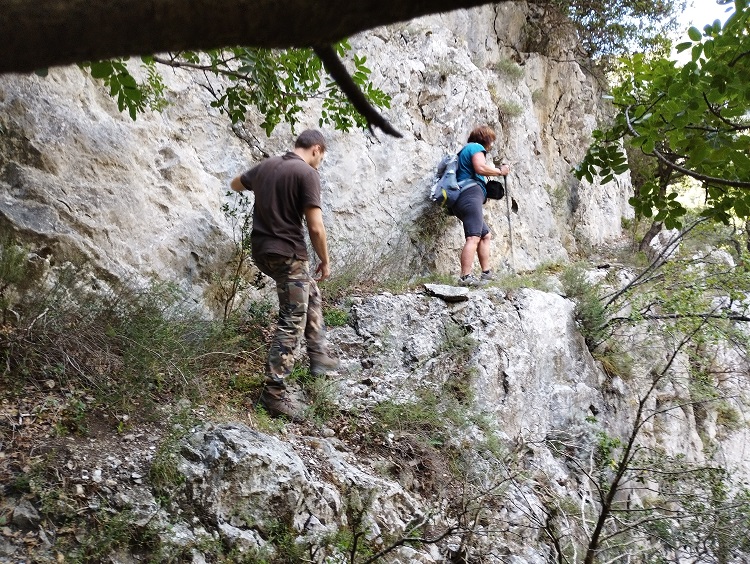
62, 462
54, 453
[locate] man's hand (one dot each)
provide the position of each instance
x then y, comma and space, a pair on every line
323, 271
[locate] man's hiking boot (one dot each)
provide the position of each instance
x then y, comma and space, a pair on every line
470, 280
487, 276
279, 402
322, 363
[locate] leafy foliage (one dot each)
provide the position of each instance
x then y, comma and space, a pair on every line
229, 287
693, 119
590, 312
276, 82
614, 26
696, 289
130, 94
14, 270
131, 346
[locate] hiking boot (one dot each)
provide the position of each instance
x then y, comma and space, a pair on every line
470, 280
487, 276
321, 364
279, 402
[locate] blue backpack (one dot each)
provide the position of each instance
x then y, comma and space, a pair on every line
446, 190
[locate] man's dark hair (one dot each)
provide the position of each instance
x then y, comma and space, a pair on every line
482, 135
310, 137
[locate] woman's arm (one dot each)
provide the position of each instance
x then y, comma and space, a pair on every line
479, 162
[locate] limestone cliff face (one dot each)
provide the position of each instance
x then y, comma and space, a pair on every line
478, 425
81, 181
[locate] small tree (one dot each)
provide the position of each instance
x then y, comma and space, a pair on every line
640, 499
276, 82
692, 119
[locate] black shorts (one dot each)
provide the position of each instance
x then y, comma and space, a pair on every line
468, 208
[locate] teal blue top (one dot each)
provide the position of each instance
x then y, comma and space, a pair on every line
466, 168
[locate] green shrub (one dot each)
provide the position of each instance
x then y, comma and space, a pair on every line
335, 317
163, 473
615, 361
509, 68
14, 273
589, 311
509, 109
321, 394
126, 350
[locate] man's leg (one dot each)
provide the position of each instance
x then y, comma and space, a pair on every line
321, 359
292, 287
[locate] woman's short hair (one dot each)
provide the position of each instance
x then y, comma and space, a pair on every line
309, 138
482, 135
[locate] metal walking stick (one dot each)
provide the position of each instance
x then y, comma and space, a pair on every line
510, 229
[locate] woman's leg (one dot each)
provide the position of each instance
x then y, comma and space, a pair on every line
468, 210
483, 251
467, 254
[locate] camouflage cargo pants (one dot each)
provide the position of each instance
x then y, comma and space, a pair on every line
300, 313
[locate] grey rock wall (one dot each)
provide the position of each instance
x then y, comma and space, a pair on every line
82, 182
534, 385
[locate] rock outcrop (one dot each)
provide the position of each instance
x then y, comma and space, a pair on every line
82, 182
474, 420
474, 425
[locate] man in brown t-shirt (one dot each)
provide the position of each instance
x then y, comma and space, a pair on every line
287, 189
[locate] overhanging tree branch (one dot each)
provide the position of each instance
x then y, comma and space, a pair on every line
47, 33
338, 72
686, 171
732, 126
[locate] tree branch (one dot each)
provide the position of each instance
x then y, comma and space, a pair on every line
338, 72
687, 316
47, 33
687, 172
715, 112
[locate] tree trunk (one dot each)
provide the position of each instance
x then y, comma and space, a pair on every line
42, 33
652, 232
664, 175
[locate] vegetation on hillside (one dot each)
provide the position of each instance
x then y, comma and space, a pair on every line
106, 362
79, 360
688, 121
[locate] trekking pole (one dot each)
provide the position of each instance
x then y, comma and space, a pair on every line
510, 230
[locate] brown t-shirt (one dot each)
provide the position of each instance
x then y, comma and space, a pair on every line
283, 187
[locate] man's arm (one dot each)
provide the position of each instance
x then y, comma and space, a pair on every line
236, 184
319, 240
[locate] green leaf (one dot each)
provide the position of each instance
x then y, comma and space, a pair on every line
696, 53
708, 48
694, 34
101, 69
741, 208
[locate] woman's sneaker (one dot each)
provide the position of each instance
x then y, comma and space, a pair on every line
470, 280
